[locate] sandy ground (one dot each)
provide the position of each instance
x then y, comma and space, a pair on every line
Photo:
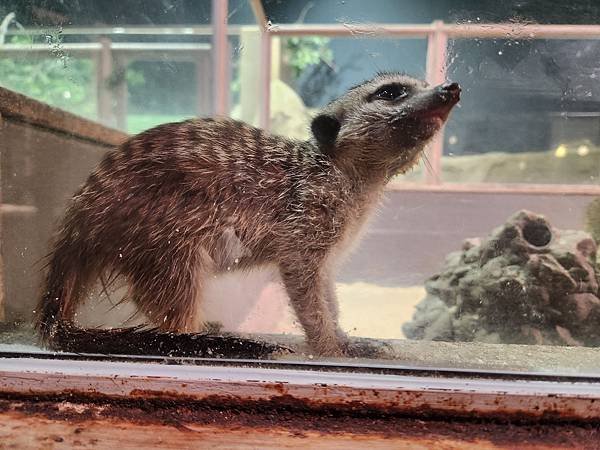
366, 310
257, 303
374, 311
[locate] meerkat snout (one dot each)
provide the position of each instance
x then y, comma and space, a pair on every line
384, 123
429, 106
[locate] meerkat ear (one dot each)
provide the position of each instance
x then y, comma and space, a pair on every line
325, 129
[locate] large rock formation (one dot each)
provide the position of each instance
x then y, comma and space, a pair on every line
526, 283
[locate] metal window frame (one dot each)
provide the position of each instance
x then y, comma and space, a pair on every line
315, 386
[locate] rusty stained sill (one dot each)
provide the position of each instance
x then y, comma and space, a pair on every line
105, 425
425, 396
92, 425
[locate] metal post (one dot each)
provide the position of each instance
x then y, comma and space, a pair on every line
264, 76
120, 94
2, 312
265, 80
203, 93
104, 68
220, 56
437, 43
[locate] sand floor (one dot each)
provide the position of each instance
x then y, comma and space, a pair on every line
375, 311
258, 304
366, 310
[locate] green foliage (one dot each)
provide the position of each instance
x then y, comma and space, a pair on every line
307, 51
141, 122
68, 83
55, 79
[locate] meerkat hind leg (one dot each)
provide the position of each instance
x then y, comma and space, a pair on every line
171, 296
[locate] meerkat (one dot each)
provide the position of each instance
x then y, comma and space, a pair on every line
185, 201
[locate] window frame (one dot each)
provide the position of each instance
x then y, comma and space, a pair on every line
314, 386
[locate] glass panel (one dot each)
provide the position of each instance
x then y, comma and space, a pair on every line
130, 73
212, 225
39, 66
533, 113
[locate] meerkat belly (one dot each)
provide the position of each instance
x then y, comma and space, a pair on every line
228, 252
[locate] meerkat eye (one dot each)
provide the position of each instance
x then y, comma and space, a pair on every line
391, 92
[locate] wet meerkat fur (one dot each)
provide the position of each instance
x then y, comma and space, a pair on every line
185, 201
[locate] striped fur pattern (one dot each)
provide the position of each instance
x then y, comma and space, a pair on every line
186, 201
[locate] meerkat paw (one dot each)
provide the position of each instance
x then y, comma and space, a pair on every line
331, 350
368, 348
344, 347
332, 346
363, 347
213, 327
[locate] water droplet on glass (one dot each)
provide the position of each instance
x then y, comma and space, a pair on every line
270, 26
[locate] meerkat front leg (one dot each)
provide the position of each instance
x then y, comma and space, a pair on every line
333, 304
360, 348
309, 288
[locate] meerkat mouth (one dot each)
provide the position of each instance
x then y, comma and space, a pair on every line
445, 98
433, 110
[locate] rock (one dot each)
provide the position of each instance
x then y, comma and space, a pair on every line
526, 283
289, 115
584, 304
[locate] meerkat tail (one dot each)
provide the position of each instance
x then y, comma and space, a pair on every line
67, 275
153, 342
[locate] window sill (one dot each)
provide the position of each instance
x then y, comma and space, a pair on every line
229, 404
335, 385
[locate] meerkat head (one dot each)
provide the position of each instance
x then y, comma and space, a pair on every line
384, 122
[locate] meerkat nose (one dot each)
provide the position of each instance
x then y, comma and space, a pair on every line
450, 92
451, 87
